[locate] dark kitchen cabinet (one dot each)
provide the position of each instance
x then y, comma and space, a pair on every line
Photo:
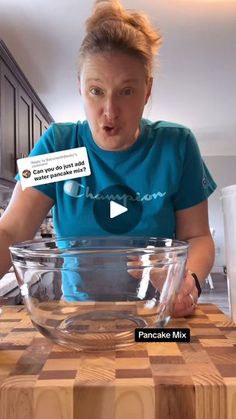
40, 124
23, 117
24, 142
9, 121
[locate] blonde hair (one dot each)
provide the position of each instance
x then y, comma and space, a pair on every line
113, 28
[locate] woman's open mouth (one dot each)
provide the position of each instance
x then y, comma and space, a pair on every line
110, 130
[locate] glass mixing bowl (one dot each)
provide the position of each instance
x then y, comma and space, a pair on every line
92, 293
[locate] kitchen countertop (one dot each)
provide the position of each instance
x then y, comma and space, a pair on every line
195, 380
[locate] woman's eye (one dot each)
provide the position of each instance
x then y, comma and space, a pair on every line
127, 91
96, 91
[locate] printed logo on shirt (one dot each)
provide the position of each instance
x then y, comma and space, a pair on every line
204, 182
77, 190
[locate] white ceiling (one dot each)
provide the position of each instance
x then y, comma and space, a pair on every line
195, 84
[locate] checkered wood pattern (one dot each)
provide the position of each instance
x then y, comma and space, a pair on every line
196, 380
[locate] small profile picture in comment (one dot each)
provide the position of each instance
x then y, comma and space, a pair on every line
26, 173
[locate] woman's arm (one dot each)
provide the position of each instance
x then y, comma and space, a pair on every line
21, 220
192, 225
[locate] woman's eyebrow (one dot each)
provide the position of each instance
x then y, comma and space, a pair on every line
122, 82
130, 81
93, 79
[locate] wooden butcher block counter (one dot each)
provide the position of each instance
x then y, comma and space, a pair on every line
196, 380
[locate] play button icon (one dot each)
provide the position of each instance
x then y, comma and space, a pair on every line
117, 209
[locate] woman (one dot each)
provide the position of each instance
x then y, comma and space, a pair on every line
159, 162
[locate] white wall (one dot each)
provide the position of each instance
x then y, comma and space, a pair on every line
223, 170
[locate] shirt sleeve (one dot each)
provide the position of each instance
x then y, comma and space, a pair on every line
44, 145
196, 183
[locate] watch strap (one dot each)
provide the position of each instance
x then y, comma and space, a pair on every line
197, 283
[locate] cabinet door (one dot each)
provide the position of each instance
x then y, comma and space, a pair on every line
9, 121
38, 121
45, 125
25, 125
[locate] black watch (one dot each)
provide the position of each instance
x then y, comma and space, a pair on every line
197, 283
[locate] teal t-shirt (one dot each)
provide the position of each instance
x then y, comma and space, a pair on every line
164, 167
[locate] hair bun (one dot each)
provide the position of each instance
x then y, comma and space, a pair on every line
104, 10
111, 27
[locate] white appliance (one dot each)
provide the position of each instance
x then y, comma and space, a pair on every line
229, 213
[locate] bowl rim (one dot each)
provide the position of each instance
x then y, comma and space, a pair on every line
27, 247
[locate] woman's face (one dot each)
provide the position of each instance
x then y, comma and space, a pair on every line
114, 92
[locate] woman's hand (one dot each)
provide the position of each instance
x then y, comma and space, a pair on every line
187, 297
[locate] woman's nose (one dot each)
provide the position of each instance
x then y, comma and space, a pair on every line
111, 108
